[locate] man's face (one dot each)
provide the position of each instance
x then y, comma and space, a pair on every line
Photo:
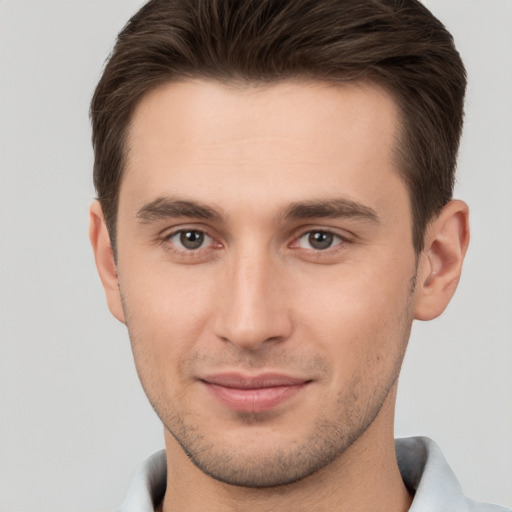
266, 269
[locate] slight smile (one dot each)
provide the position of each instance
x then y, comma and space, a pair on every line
253, 394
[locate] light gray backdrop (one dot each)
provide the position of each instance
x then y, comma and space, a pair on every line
74, 423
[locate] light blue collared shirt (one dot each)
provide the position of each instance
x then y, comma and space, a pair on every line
422, 465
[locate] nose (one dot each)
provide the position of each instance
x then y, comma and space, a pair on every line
253, 303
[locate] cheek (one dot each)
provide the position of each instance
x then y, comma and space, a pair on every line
359, 318
167, 312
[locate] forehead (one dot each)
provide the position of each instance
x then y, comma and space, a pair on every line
300, 138
288, 108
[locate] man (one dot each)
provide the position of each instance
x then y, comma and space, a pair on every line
274, 209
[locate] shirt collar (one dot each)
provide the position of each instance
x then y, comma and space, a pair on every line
424, 470
147, 487
426, 473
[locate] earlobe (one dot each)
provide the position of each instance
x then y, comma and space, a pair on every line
440, 265
104, 256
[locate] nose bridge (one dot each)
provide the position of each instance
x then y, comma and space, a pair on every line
253, 310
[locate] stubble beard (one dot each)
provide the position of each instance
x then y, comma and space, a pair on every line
326, 442
328, 439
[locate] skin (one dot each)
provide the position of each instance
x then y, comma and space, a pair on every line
259, 294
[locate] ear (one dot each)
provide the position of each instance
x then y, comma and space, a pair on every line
104, 256
440, 265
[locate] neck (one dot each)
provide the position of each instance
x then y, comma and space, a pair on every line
366, 477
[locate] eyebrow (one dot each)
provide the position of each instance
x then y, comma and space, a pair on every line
332, 208
165, 208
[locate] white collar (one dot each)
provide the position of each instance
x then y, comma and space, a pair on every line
422, 465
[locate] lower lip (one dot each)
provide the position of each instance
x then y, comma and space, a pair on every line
253, 400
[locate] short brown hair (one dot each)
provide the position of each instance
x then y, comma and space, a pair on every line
396, 44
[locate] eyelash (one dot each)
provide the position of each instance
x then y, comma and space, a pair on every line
339, 242
325, 232
184, 251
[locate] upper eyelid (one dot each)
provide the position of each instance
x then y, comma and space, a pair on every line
175, 232
342, 233
330, 232
169, 231
342, 241
181, 230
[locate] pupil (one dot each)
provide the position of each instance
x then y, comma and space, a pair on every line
320, 240
192, 239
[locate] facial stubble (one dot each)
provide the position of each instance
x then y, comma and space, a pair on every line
328, 439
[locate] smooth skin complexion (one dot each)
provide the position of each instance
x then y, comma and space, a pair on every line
266, 273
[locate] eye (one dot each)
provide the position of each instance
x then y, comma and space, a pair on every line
190, 239
319, 240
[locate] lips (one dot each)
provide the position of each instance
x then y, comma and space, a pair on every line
253, 394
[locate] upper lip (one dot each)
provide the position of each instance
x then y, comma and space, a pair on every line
264, 380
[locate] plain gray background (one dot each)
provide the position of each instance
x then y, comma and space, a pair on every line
74, 423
